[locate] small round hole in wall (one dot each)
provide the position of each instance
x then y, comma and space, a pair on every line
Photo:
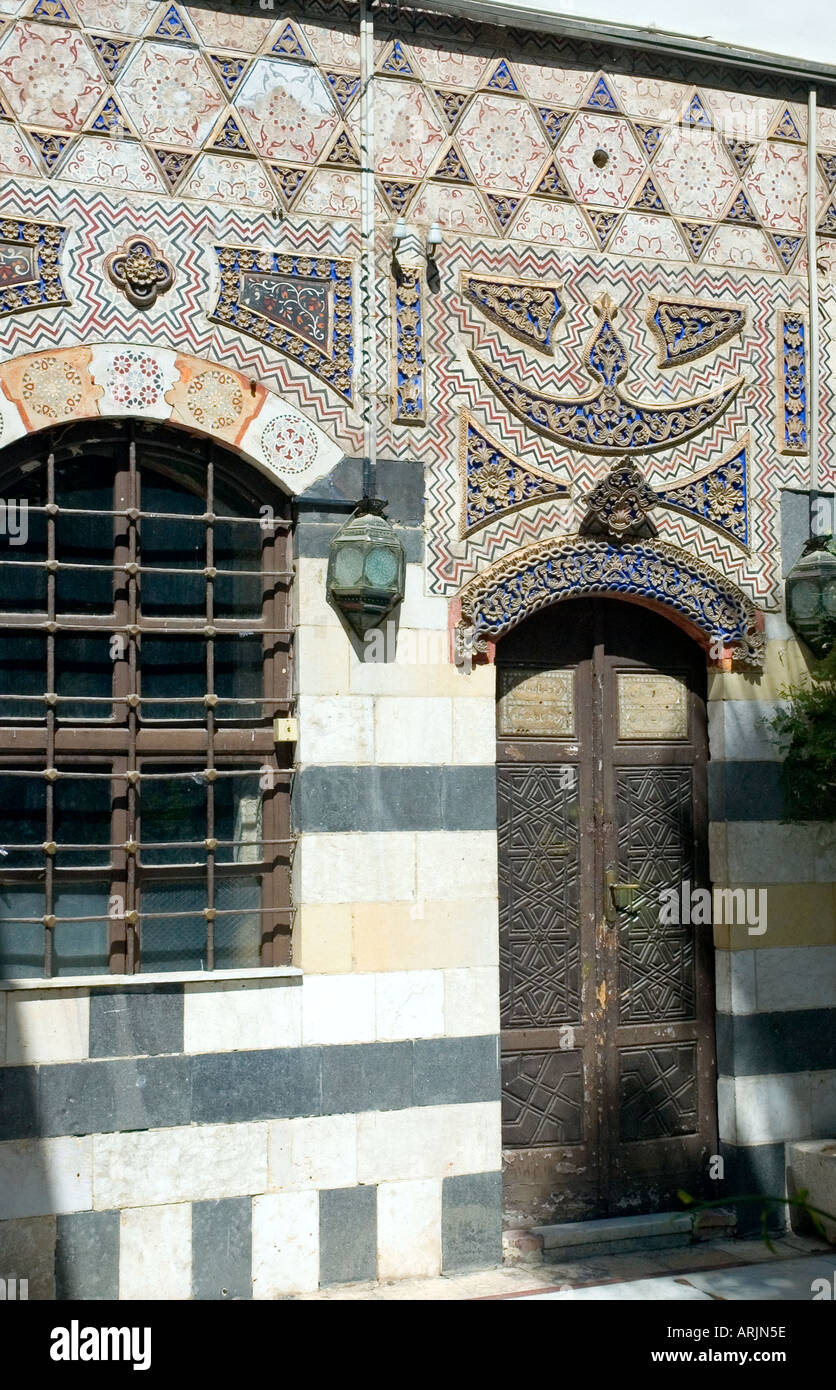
601, 159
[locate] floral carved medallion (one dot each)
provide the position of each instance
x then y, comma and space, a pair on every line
140, 271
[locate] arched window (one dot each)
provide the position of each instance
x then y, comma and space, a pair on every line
144, 654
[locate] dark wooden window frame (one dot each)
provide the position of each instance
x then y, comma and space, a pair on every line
119, 743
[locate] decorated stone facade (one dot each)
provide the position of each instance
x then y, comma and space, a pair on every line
596, 383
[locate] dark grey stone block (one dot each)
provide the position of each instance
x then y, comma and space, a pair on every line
87, 1255
452, 1071
366, 1076
469, 798
311, 538
751, 1171
18, 1102
228, 1087
138, 1021
787, 1041
471, 1221
400, 481
107, 1097
336, 798
347, 1234
739, 791
222, 1248
797, 521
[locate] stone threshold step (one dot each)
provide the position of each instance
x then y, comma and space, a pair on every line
571, 1240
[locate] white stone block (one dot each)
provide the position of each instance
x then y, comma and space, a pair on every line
285, 1244
155, 1252
409, 1229
455, 864
420, 609
716, 716
47, 1026
194, 1163
749, 737
471, 1002
742, 982
722, 982
320, 1151
406, 677
311, 606
413, 730
241, 1016
410, 1004
474, 732
795, 977
335, 729
321, 660
432, 1141
765, 852
338, 1009
823, 1101
726, 1111
355, 867
773, 1108
41, 1176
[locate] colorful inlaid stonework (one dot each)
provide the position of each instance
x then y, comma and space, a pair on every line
689, 328
30, 265
529, 309
494, 481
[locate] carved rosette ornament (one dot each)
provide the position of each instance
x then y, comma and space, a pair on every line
140, 271
618, 505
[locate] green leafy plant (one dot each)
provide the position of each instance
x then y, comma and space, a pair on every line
768, 1207
806, 731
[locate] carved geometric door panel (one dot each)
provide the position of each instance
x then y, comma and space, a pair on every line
606, 1012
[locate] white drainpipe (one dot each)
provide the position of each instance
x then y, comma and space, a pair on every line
813, 289
368, 288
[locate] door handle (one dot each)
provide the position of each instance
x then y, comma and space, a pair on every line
618, 897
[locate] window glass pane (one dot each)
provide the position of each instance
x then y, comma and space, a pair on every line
85, 540
172, 809
21, 943
175, 943
238, 673
80, 948
174, 667
238, 817
82, 816
172, 544
238, 937
23, 537
22, 821
238, 548
83, 666
22, 672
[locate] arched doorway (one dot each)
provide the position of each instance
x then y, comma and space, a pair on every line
607, 1011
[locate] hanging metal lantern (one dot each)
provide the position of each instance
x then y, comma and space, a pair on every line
811, 595
366, 567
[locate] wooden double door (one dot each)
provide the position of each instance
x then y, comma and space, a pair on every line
607, 1009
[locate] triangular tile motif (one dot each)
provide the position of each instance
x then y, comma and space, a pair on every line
173, 26
601, 98
695, 235
497, 482
501, 79
451, 168
49, 147
827, 225
827, 164
554, 122
717, 496
503, 208
228, 69
289, 44
695, 113
452, 105
648, 199
397, 62
345, 86
603, 225
289, 179
528, 309
397, 195
649, 137
4, 114
343, 153
172, 164
112, 52
741, 211
742, 153
110, 121
51, 9
786, 128
553, 184
228, 137
786, 248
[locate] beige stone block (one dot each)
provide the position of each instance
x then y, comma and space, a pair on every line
322, 938
420, 609
27, 1251
355, 866
155, 1252
320, 1151
798, 914
242, 1015
335, 729
41, 1176
409, 1229
311, 606
338, 1009
474, 732
406, 678
189, 1163
285, 1244
432, 1141
471, 1002
452, 864
413, 730
47, 1026
425, 935
785, 664
321, 657
410, 1004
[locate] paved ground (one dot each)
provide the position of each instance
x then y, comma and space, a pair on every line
733, 1269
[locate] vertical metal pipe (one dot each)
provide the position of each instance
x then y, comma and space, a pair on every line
368, 289
813, 293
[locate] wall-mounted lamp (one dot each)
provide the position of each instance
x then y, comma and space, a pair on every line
811, 594
366, 567
406, 249
434, 240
